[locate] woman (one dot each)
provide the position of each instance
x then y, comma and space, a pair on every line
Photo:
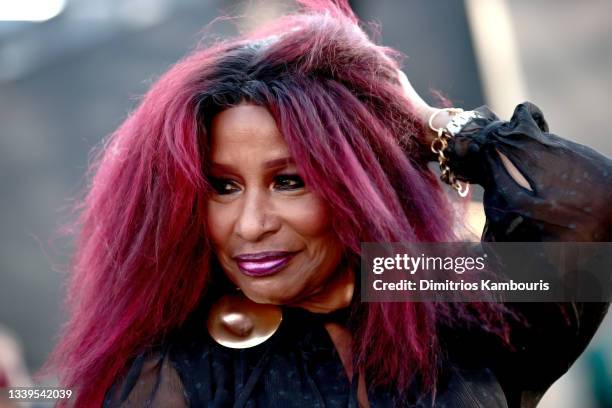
220, 237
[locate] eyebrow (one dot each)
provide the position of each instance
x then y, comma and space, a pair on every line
280, 162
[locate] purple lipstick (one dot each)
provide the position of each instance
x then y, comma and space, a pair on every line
263, 263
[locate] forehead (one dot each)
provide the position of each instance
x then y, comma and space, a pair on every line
245, 129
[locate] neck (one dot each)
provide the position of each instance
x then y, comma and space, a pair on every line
336, 294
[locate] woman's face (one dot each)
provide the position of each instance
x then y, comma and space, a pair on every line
271, 233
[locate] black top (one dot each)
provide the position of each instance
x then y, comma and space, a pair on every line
299, 365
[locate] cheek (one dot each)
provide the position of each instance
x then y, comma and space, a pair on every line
309, 217
311, 220
218, 224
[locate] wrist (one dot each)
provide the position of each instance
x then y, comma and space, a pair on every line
440, 120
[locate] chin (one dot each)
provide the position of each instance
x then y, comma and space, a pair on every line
265, 298
266, 293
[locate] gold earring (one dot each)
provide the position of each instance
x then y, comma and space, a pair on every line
235, 321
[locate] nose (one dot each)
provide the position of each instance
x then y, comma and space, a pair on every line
256, 219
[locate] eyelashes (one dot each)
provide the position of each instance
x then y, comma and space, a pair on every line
281, 182
223, 186
288, 182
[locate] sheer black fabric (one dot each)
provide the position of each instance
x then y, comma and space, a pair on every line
152, 381
571, 183
299, 366
570, 200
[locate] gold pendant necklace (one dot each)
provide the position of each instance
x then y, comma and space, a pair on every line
235, 321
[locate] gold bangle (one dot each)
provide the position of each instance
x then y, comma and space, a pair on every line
438, 145
450, 111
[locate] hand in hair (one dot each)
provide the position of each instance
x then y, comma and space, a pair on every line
424, 112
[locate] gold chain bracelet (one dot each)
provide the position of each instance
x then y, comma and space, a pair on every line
438, 145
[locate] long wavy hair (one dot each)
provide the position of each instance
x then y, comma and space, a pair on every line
143, 258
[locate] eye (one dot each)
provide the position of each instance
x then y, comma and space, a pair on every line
288, 182
224, 186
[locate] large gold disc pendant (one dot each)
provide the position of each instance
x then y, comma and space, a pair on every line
235, 321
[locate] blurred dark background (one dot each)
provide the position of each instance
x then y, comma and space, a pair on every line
69, 80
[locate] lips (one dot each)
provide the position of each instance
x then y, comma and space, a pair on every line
263, 263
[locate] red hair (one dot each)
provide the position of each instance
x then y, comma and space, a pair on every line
143, 261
